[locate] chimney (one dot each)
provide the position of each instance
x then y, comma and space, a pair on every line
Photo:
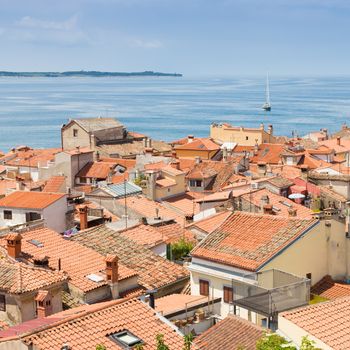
175, 164
112, 274
78, 149
97, 156
268, 209
19, 184
151, 294
150, 143
190, 138
262, 168
149, 150
198, 160
224, 154
338, 140
144, 142
83, 217
292, 212
43, 304
262, 126
304, 171
151, 186
264, 200
256, 147
14, 245
173, 153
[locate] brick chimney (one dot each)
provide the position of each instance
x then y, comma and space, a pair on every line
292, 212
83, 217
14, 245
112, 274
268, 209
338, 140
175, 164
190, 138
43, 304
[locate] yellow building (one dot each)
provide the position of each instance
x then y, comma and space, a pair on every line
270, 256
242, 136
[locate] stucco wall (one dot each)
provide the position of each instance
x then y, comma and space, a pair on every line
71, 142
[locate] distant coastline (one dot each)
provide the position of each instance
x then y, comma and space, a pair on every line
83, 73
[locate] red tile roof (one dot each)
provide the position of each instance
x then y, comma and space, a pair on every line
75, 259
153, 270
232, 333
174, 232
248, 240
144, 235
55, 184
18, 278
94, 323
210, 223
199, 144
328, 321
280, 204
330, 289
30, 200
269, 153
98, 170
126, 163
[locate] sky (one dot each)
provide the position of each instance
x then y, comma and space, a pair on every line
193, 37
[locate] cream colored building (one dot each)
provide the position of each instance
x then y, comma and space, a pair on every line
246, 245
242, 136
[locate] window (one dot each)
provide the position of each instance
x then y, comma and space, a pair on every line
31, 216
308, 275
8, 214
2, 302
196, 183
126, 339
228, 295
75, 132
203, 287
246, 138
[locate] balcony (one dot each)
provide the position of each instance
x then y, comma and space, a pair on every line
271, 292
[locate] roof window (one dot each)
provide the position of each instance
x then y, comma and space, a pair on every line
126, 339
95, 278
36, 243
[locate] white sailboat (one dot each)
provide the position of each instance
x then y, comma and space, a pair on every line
267, 105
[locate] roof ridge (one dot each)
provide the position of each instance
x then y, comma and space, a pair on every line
75, 316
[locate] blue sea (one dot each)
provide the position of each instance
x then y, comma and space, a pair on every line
32, 110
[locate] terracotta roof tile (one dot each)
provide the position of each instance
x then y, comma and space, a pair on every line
328, 321
202, 144
174, 232
210, 223
98, 170
145, 235
55, 184
32, 157
18, 278
148, 208
75, 259
126, 163
184, 204
280, 204
30, 199
230, 334
239, 240
330, 289
153, 270
269, 153
86, 329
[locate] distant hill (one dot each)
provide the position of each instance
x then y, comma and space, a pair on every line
83, 73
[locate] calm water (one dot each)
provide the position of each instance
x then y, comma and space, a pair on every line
33, 109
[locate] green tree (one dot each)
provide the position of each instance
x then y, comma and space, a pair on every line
181, 248
188, 339
273, 342
160, 343
307, 344
100, 347
139, 347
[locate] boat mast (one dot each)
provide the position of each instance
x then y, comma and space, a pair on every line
267, 89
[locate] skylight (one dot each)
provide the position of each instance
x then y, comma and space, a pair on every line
36, 243
126, 339
95, 278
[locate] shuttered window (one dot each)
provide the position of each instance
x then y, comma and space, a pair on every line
203, 287
2, 303
228, 294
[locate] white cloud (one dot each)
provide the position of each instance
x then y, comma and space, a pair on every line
30, 22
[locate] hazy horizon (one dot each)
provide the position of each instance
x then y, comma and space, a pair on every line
195, 38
